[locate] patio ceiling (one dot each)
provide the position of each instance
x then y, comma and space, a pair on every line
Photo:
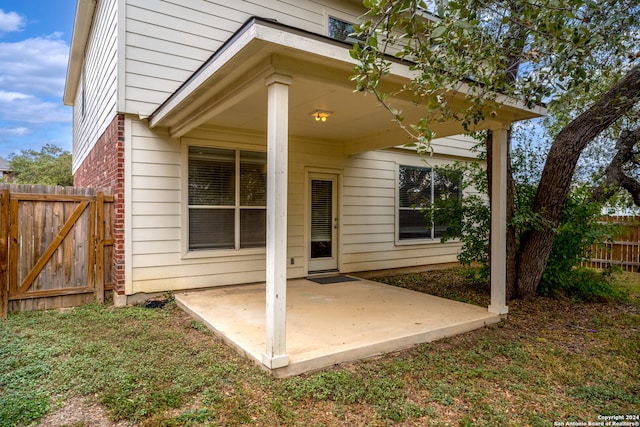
229, 92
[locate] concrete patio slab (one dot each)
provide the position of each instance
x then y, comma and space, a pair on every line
332, 323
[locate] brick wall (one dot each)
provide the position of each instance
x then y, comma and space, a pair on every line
104, 168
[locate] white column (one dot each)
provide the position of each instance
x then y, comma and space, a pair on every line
275, 355
499, 222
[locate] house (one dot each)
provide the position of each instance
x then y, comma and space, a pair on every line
5, 170
237, 151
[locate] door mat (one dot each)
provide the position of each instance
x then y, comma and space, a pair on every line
332, 279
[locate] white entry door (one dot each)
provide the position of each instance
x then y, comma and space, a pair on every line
323, 227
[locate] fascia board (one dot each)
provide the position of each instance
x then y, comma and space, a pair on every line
81, 29
283, 36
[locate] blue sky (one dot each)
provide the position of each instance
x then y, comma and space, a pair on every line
34, 46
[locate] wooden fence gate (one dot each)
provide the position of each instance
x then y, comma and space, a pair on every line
56, 246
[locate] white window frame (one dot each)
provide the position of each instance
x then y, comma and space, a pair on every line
207, 253
420, 241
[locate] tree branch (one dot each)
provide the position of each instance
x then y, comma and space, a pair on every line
555, 182
615, 176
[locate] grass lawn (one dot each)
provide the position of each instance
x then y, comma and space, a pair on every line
550, 361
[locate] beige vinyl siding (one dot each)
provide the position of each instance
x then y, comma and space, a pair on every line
166, 41
368, 232
98, 82
158, 239
457, 145
367, 190
155, 192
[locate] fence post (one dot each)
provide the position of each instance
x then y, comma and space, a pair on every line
4, 253
99, 258
14, 211
91, 253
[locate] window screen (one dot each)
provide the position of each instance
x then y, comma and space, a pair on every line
211, 176
227, 198
415, 195
447, 194
421, 191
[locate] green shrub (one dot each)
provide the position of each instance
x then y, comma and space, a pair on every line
578, 231
584, 284
469, 221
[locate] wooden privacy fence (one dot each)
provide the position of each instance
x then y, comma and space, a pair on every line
56, 246
623, 251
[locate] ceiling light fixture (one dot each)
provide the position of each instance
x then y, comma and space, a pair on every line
321, 115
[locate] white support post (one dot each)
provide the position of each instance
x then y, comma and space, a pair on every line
275, 355
499, 222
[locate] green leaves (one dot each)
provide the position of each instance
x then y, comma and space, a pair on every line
439, 31
463, 23
531, 51
49, 166
356, 51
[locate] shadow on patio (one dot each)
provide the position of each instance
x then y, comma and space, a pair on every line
332, 323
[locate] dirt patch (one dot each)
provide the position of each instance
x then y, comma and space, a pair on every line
79, 411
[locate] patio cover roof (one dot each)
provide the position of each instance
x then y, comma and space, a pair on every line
229, 91
269, 78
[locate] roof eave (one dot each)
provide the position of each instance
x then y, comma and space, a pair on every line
256, 31
260, 32
81, 29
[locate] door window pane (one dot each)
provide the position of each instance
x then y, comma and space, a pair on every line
321, 218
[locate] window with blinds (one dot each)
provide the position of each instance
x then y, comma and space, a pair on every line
420, 191
227, 198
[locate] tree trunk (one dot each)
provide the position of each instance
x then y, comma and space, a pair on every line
555, 182
615, 175
512, 243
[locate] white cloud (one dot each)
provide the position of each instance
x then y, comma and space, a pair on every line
11, 96
10, 21
35, 66
19, 131
19, 107
32, 78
